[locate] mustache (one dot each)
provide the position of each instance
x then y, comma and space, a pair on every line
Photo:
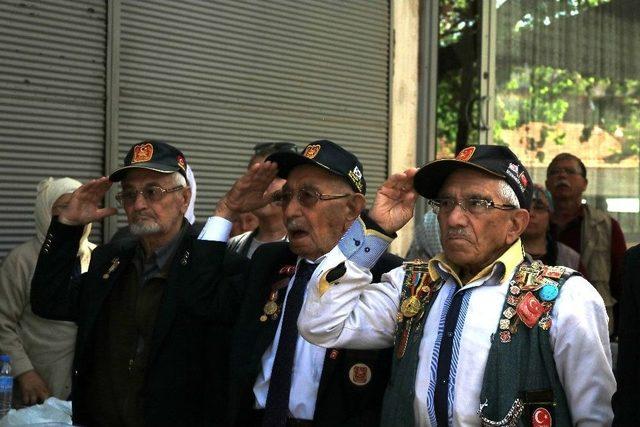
293, 224
562, 182
458, 233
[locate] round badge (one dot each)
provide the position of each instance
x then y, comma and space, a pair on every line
548, 293
360, 374
541, 418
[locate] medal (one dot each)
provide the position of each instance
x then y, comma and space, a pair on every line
270, 308
410, 306
263, 318
114, 264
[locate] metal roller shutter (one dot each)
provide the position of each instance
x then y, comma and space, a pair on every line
215, 78
52, 97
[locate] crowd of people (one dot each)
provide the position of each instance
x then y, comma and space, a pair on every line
285, 307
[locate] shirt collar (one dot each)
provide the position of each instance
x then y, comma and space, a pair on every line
439, 266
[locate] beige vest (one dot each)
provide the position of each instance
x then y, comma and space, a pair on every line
595, 251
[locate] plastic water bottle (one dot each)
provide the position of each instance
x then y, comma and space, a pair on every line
6, 384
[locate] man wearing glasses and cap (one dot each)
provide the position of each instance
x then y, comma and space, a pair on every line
151, 312
277, 378
270, 224
482, 337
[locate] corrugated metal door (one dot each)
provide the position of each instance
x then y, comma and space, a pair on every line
215, 78
52, 93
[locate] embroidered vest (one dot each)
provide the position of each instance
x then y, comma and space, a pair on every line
520, 370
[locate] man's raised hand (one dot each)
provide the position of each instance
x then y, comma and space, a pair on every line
248, 192
84, 206
395, 201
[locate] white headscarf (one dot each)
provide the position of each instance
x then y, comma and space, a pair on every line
49, 190
190, 213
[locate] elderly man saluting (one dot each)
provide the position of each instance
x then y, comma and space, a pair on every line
151, 313
482, 336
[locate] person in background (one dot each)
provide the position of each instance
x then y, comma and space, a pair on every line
270, 226
426, 241
41, 350
246, 221
589, 231
626, 401
537, 239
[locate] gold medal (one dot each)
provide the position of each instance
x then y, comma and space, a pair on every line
411, 306
263, 318
270, 308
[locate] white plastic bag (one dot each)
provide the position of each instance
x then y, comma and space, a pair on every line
53, 412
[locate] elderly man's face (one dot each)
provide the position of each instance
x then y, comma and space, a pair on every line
314, 230
157, 218
565, 180
472, 242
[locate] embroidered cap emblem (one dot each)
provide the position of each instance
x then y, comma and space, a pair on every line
142, 153
465, 154
311, 151
182, 163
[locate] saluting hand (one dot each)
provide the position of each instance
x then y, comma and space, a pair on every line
395, 201
84, 206
248, 192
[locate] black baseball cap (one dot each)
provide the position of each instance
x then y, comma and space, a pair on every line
496, 160
154, 155
327, 155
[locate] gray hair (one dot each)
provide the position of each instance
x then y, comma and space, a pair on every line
179, 179
507, 194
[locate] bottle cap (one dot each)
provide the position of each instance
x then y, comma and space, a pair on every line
5, 358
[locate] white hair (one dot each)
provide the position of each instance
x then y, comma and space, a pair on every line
179, 179
507, 195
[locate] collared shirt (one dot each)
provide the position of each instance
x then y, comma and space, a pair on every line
307, 369
309, 358
153, 265
362, 315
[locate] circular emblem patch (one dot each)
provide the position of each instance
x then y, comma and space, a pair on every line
360, 374
541, 418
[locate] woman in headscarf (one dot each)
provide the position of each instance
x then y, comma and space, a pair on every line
41, 350
537, 239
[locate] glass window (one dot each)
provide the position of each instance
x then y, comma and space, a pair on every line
567, 80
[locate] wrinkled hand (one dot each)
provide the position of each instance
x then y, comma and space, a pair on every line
84, 206
395, 201
33, 389
248, 192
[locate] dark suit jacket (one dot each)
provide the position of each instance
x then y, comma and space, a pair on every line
340, 402
192, 330
626, 401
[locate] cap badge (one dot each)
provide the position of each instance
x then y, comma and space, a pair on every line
513, 167
311, 151
182, 163
523, 179
142, 153
360, 374
356, 177
465, 154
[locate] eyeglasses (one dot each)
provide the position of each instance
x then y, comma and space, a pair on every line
305, 196
274, 147
558, 170
473, 205
152, 193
